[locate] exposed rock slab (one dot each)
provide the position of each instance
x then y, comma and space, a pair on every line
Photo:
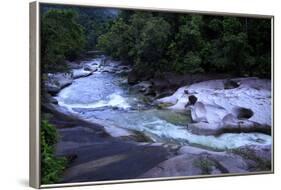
177, 166
196, 151
196, 161
99, 158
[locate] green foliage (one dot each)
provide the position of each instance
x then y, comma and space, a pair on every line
191, 63
236, 45
258, 164
61, 38
158, 42
49, 133
117, 41
95, 22
189, 36
51, 166
142, 39
153, 42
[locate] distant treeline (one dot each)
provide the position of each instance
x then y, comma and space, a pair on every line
157, 42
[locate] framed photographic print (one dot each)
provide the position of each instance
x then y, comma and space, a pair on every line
128, 94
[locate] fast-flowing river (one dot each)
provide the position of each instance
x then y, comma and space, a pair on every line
107, 97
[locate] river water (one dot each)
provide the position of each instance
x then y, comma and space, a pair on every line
107, 97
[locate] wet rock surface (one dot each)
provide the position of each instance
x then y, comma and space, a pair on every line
94, 154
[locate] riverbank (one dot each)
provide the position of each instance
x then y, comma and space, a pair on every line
95, 155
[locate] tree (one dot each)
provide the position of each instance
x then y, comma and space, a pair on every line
116, 42
61, 38
153, 43
187, 45
189, 37
235, 46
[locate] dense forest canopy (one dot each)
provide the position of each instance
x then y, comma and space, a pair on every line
62, 38
158, 42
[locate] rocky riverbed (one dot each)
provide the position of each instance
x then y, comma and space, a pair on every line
208, 127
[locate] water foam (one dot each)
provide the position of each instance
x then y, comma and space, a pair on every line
161, 130
113, 100
165, 130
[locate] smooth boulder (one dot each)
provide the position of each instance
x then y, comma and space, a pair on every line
57, 81
219, 106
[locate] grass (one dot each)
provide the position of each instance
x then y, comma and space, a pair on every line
205, 165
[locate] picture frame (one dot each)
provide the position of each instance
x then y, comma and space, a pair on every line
36, 77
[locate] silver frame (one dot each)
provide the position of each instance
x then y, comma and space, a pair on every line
34, 94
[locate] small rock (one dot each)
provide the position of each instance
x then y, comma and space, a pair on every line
156, 144
186, 91
230, 84
90, 68
175, 147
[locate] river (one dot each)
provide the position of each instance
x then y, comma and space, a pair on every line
106, 96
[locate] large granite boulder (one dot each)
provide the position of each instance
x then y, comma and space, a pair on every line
218, 106
78, 73
108, 69
56, 82
91, 68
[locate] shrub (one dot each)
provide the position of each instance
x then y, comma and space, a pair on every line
51, 166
